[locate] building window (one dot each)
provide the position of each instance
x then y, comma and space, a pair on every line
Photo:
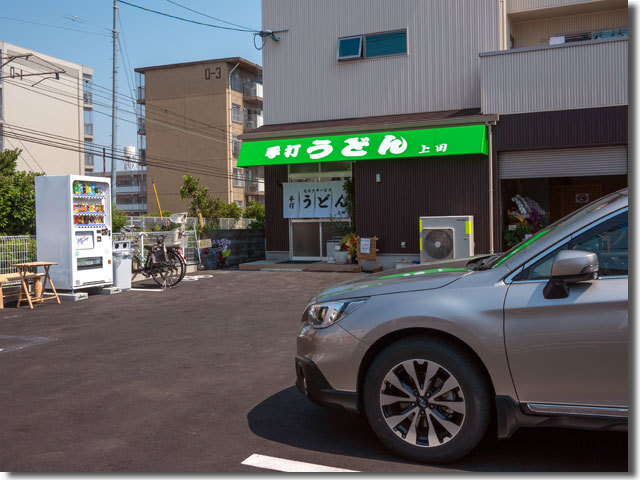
238, 178
236, 113
237, 83
349, 47
373, 45
236, 144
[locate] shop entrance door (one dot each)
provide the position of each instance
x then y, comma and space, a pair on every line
308, 239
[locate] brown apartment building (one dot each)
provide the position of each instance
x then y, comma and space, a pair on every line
190, 117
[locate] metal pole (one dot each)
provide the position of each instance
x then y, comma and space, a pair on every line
491, 242
114, 118
104, 162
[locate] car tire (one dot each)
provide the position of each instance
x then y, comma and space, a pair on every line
440, 432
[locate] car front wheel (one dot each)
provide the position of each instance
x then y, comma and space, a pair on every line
427, 400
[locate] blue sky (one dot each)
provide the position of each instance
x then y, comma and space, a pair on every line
149, 39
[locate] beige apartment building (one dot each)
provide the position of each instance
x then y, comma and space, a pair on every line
190, 117
45, 101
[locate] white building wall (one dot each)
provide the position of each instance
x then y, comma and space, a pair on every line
303, 81
53, 106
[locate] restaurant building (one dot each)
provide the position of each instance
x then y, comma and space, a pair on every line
436, 108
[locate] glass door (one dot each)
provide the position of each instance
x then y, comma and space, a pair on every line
305, 239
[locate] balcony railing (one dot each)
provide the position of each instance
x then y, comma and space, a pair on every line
555, 77
87, 98
254, 121
254, 185
253, 91
142, 126
88, 129
88, 160
140, 98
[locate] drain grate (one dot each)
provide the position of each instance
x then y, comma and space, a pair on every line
10, 343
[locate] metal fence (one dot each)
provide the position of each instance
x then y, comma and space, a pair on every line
189, 242
163, 223
16, 249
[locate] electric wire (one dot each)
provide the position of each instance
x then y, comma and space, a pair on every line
209, 16
51, 139
56, 26
188, 20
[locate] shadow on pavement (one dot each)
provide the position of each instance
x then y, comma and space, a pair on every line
287, 418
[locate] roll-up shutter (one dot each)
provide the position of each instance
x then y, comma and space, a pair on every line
566, 162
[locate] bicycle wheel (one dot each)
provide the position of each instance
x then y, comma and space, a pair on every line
183, 264
173, 269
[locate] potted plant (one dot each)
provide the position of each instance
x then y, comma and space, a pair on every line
349, 244
221, 247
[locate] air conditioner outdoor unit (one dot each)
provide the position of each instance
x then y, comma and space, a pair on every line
446, 238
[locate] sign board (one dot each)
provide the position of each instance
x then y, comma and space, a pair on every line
432, 142
204, 243
314, 200
365, 245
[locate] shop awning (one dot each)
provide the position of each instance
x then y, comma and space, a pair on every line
431, 142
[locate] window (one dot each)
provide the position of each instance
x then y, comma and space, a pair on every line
609, 241
236, 113
381, 44
373, 45
350, 47
317, 171
237, 82
238, 178
236, 143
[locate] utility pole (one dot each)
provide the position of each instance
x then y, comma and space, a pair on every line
114, 118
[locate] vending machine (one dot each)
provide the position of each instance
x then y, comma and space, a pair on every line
73, 228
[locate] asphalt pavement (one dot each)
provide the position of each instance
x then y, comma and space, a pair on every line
199, 378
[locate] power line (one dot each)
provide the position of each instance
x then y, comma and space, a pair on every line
27, 150
188, 20
54, 140
209, 16
147, 119
56, 26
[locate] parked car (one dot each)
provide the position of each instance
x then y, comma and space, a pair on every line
534, 337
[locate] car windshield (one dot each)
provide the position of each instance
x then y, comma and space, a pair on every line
572, 217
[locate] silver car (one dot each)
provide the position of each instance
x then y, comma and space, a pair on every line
536, 336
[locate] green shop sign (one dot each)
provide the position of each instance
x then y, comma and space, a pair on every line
432, 142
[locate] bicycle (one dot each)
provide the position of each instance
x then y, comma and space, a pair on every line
163, 260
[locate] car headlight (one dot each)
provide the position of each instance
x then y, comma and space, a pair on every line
321, 315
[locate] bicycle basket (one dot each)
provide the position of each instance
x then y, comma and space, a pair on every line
174, 238
158, 255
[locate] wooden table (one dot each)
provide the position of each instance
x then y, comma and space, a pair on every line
38, 285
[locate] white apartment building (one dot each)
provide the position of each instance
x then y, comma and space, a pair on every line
45, 110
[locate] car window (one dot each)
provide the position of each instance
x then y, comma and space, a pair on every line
527, 244
608, 240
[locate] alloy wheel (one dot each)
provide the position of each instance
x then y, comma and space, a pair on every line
422, 403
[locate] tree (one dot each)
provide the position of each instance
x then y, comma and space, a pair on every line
8, 161
17, 197
197, 195
255, 210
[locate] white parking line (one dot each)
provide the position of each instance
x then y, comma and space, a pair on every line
284, 465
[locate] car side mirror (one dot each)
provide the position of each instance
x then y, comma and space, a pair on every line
570, 266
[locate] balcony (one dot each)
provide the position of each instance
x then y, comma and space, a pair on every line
524, 10
87, 98
88, 130
555, 77
253, 121
142, 126
140, 98
254, 185
253, 92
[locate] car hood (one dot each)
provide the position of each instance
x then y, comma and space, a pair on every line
427, 276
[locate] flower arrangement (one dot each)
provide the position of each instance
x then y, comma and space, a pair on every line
221, 245
349, 244
525, 218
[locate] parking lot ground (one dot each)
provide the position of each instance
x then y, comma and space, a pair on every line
198, 379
